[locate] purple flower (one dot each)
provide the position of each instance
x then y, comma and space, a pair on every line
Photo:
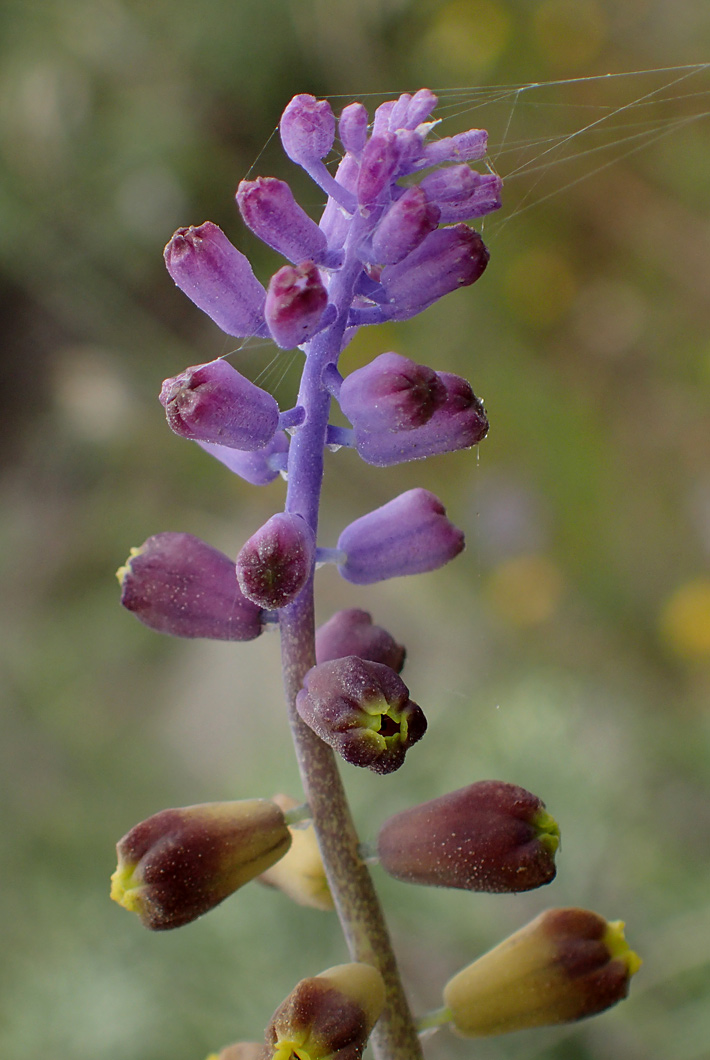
408, 535
276, 561
307, 129
447, 259
351, 632
259, 467
217, 277
457, 423
267, 205
214, 403
362, 710
391, 393
404, 226
179, 585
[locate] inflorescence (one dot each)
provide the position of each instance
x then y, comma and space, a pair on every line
391, 241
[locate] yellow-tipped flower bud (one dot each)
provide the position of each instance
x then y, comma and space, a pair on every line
328, 1017
179, 864
564, 965
300, 873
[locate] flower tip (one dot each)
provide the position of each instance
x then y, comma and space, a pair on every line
618, 947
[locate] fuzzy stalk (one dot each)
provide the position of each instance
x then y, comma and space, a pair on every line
356, 902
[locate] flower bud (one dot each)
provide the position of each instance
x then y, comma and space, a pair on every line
217, 278
352, 127
259, 467
177, 584
295, 303
327, 1017
377, 169
239, 1051
408, 535
214, 403
300, 873
363, 711
458, 422
391, 393
445, 260
307, 129
276, 561
181, 863
268, 207
405, 225
564, 965
351, 632
463, 147
490, 836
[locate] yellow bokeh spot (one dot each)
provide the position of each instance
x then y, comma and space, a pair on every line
466, 38
569, 33
685, 620
526, 590
540, 285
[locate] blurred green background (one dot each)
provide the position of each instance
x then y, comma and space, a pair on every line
568, 650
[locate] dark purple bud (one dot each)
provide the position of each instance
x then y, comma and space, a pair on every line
260, 467
352, 127
307, 129
490, 836
408, 535
464, 147
214, 403
377, 170
276, 562
295, 303
458, 423
270, 210
363, 711
447, 259
179, 585
181, 863
351, 632
392, 393
217, 278
405, 225
327, 1017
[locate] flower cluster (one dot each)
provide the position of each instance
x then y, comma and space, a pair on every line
391, 241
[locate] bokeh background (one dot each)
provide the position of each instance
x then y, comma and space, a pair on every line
568, 650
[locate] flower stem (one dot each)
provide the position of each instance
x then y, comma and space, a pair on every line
357, 904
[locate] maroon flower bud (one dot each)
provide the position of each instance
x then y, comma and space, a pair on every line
351, 632
179, 864
295, 303
214, 403
363, 711
404, 226
268, 207
327, 1017
458, 422
490, 836
179, 585
217, 278
276, 561
565, 965
391, 393
408, 535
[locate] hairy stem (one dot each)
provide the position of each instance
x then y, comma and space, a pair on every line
357, 904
